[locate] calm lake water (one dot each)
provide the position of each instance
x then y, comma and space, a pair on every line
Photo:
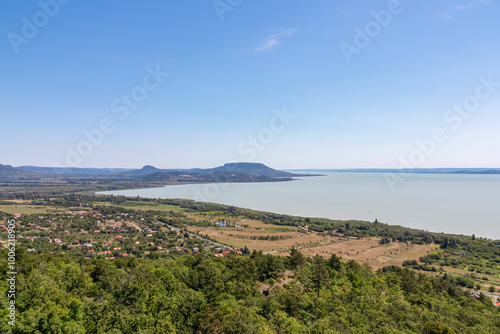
451, 203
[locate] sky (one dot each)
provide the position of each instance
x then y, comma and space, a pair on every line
178, 84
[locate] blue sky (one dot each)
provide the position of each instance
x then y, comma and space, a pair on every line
233, 68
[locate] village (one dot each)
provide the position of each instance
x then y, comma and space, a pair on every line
93, 233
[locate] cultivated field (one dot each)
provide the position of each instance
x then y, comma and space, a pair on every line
369, 251
241, 237
28, 209
364, 251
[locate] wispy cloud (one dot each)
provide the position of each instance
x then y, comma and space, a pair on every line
460, 8
473, 4
274, 39
446, 15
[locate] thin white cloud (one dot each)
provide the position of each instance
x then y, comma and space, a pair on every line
460, 8
446, 16
471, 5
274, 40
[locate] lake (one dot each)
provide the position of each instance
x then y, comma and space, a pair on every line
451, 203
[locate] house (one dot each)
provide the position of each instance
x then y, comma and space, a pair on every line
336, 233
119, 237
238, 252
97, 231
221, 224
498, 304
57, 241
117, 248
110, 258
91, 251
124, 254
159, 248
196, 249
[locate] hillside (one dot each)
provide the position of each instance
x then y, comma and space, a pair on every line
230, 172
486, 171
9, 173
73, 171
254, 169
216, 176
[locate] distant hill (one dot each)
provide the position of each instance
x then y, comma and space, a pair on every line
487, 171
415, 170
146, 170
254, 169
230, 172
214, 176
9, 173
74, 171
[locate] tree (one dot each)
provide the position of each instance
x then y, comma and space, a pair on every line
334, 262
491, 289
319, 272
268, 266
436, 327
296, 258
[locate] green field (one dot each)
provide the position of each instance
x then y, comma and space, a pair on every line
144, 206
28, 209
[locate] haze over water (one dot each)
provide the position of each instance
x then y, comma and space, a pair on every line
450, 203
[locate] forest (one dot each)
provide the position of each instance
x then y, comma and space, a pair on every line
251, 294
